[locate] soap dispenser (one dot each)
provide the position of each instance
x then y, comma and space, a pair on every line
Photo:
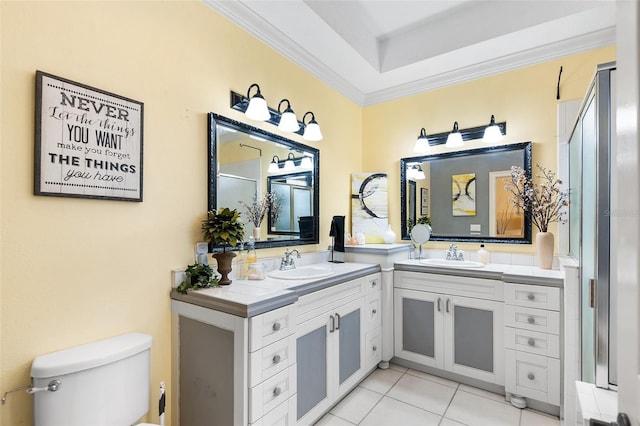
483, 255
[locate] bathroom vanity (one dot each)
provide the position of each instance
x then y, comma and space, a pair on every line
277, 351
497, 327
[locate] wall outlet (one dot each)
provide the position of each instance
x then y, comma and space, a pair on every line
201, 252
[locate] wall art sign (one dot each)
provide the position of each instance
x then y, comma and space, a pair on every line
369, 205
463, 194
424, 202
88, 142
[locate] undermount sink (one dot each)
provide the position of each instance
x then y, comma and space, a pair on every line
452, 263
303, 273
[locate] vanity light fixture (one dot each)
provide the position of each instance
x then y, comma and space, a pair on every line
471, 133
288, 121
257, 109
492, 133
306, 162
422, 144
417, 173
289, 164
311, 129
273, 166
454, 140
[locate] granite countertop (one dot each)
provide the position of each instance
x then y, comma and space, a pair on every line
508, 273
247, 298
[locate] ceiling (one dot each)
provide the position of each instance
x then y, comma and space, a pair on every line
377, 50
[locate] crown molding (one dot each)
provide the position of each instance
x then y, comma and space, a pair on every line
253, 23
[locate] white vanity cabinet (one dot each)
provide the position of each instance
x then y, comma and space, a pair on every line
279, 360
532, 340
334, 329
451, 323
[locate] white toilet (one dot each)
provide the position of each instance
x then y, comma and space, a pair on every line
104, 383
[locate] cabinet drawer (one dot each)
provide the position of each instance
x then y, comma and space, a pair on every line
374, 284
272, 392
312, 305
532, 296
271, 326
282, 415
532, 341
372, 311
478, 288
373, 349
532, 319
271, 360
533, 376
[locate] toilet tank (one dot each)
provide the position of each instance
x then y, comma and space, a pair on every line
101, 383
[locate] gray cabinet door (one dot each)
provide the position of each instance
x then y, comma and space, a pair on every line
349, 352
418, 327
312, 365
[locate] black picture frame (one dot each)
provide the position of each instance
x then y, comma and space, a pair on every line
88, 142
424, 202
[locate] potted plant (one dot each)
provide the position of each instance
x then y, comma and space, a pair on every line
197, 276
223, 228
541, 200
258, 209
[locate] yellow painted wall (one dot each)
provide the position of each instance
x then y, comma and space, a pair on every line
524, 98
77, 270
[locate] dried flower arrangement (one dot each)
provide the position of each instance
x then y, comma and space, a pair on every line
542, 201
258, 209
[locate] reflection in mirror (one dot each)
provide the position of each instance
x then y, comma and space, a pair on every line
239, 172
463, 194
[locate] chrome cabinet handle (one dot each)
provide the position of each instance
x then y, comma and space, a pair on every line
332, 327
276, 359
531, 320
439, 303
531, 297
374, 311
530, 376
337, 321
531, 342
447, 305
375, 348
374, 283
276, 326
277, 391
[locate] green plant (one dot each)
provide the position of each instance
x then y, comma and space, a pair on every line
423, 220
223, 227
197, 276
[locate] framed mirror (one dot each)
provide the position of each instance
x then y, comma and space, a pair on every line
463, 194
241, 171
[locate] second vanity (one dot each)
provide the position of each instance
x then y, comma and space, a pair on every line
496, 327
285, 351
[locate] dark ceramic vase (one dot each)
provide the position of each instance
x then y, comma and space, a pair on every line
224, 260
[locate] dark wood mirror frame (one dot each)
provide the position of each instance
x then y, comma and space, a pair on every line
279, 240
525, 147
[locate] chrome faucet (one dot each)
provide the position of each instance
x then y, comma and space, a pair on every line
287, 261
454, 254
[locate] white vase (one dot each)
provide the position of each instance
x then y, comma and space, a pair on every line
256, 233
544, 249
389, 236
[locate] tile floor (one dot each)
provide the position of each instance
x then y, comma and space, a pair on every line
405, 397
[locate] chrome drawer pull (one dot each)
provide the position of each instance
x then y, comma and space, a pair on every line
530, 376
277, 391
374, 311
439, 307
531, 320
531, 342
276, 359
375, 348
531, 297
374, 283
276, 326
